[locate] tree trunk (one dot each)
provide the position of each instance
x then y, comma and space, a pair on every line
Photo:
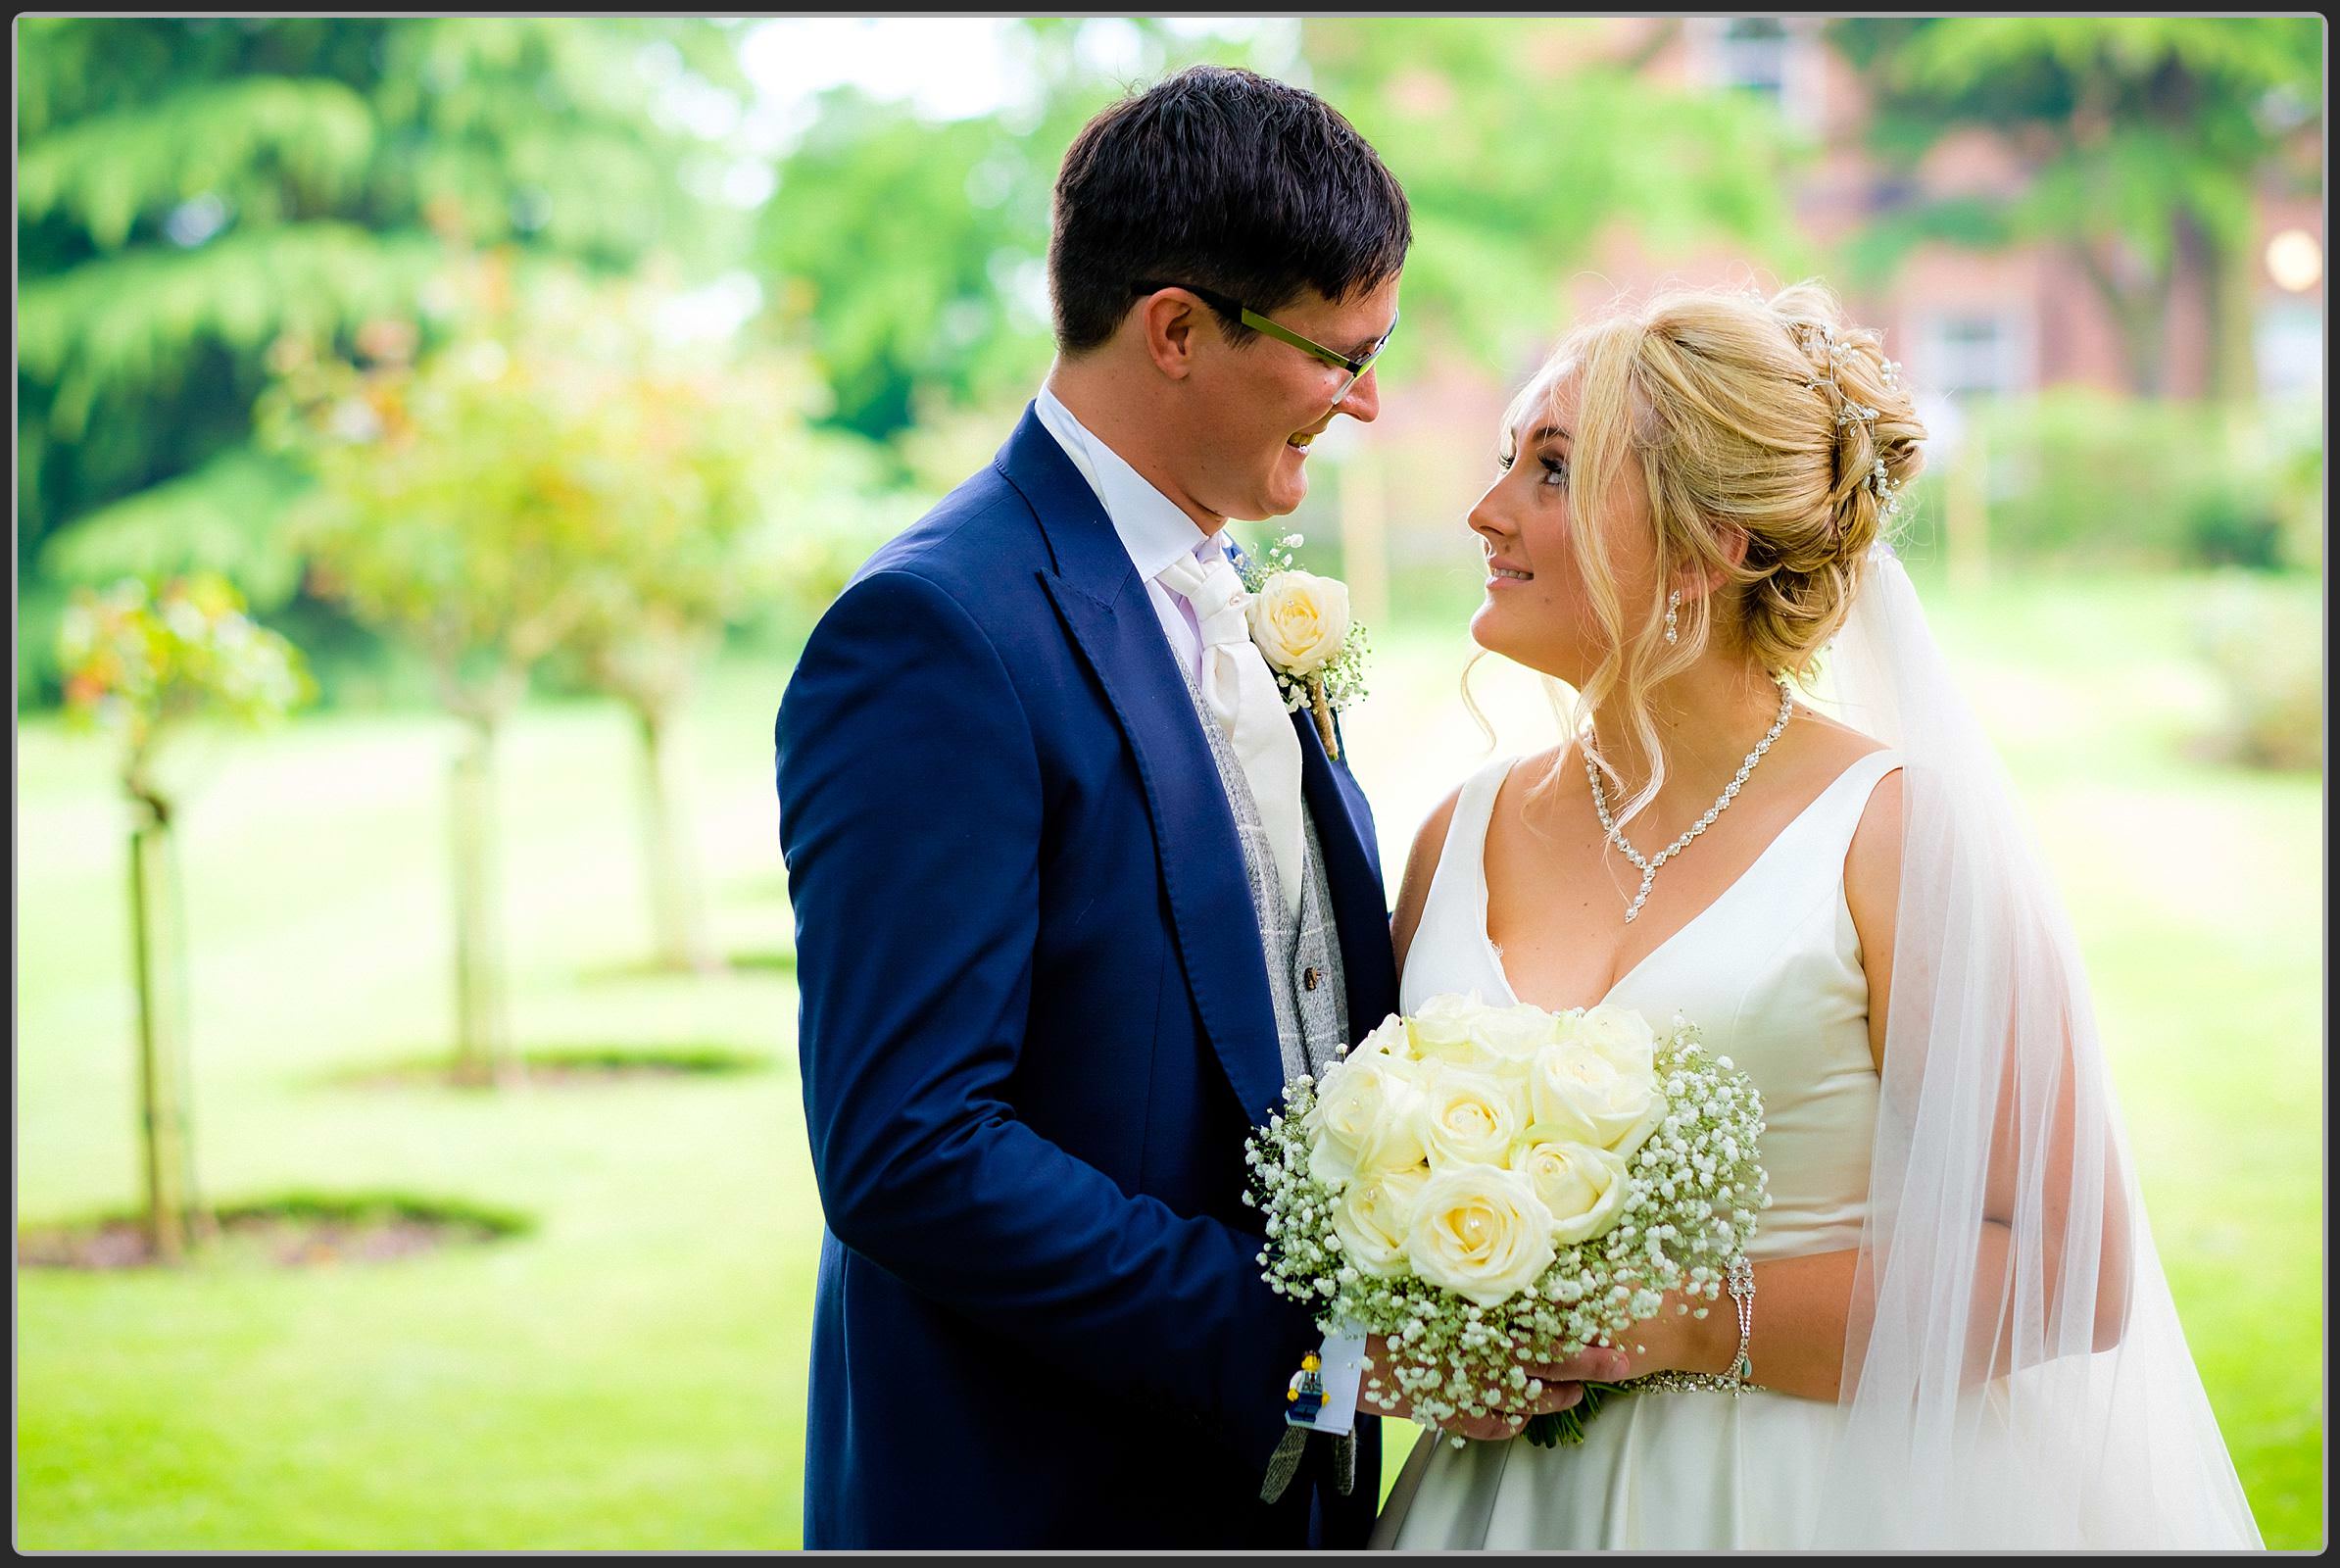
483, 1035
2230, 307
678, 906
158, 963
2142, 316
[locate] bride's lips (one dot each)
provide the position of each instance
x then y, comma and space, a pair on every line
1499, 571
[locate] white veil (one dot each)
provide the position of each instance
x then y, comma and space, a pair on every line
2015, 1372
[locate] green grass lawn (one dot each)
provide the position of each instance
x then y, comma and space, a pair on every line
630, 1374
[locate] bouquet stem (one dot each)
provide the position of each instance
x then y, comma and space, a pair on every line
1556, 1427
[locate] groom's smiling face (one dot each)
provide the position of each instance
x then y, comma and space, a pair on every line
1251, 409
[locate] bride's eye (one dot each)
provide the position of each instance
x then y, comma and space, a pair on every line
1555, 472
1504, 462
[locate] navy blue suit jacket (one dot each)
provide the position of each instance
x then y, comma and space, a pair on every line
1035, 1031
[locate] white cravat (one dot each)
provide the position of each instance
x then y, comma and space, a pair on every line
1242, 696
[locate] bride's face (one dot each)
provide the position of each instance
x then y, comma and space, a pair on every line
1537, 611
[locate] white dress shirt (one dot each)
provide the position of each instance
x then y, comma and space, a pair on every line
1151, 526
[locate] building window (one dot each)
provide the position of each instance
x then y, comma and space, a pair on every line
1754, 55
1976, 354
1773, 57
2289, 341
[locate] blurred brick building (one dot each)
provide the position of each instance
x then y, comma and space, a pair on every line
1965, 323
1981, 321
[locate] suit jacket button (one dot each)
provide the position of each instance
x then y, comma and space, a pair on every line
1309, 979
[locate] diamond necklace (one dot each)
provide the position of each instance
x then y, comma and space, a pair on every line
1648, 867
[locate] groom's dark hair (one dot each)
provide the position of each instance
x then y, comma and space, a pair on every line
1223, 179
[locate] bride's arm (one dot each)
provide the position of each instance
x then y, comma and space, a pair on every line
2023, 1114
1803, 1305
1796, 1340
1421, 864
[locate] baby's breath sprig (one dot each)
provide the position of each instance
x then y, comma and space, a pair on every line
1696, 1188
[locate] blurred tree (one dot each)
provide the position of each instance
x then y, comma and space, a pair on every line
911, 255
1520, 143
460, 499
188, 190
143, 665
2146, 140
900, 250
696, 538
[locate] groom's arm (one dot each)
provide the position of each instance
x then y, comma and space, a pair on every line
911, 823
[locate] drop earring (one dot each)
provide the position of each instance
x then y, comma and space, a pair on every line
1672, 602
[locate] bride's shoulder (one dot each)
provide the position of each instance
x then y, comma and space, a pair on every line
1833, 740
1874, 859
1430, 839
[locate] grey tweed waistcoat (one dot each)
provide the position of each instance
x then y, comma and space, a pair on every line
1303, 953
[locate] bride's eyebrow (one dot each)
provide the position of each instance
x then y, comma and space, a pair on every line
1549, 432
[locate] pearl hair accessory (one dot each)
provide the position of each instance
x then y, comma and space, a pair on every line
1880, 484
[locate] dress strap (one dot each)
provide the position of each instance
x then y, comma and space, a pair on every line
1462, 856
1823, 831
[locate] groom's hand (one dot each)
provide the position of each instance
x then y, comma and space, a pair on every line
1563, 1386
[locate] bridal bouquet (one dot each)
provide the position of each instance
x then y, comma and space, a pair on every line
1493, 1186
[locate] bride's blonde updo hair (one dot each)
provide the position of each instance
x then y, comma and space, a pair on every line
1773, 418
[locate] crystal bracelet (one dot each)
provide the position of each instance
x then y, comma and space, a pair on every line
1742, 1370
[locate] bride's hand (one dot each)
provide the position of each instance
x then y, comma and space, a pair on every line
1563, 1386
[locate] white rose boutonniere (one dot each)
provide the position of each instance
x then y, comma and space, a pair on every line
1302, 623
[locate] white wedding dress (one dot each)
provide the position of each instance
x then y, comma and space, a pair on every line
1770, 972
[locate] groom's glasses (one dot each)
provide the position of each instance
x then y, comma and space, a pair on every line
1355, 365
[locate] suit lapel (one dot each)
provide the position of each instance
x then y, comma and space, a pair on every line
1361, 918
1104, 607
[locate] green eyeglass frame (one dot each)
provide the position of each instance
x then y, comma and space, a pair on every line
1227, 306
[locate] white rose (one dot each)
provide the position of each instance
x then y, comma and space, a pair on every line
1367, 1119
1373, 1217
1583, 1187
1581, 1096
1509, 1038
1300, 620
1622, 1034
1390, 1040
1441, 1028
1468, 1117
1480, 1231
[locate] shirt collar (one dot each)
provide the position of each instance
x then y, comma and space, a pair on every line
1153, 529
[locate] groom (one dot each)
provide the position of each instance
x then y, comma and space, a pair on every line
1074, 894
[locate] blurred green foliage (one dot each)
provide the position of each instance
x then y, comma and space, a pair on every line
2266, 651
140, 660
1520, 142
911, 255
2144, 143
194, 191
2080, 477
190, 189
557, 468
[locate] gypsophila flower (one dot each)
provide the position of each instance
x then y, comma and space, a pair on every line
1511, 1292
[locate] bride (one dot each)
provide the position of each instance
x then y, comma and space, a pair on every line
1958, 1333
